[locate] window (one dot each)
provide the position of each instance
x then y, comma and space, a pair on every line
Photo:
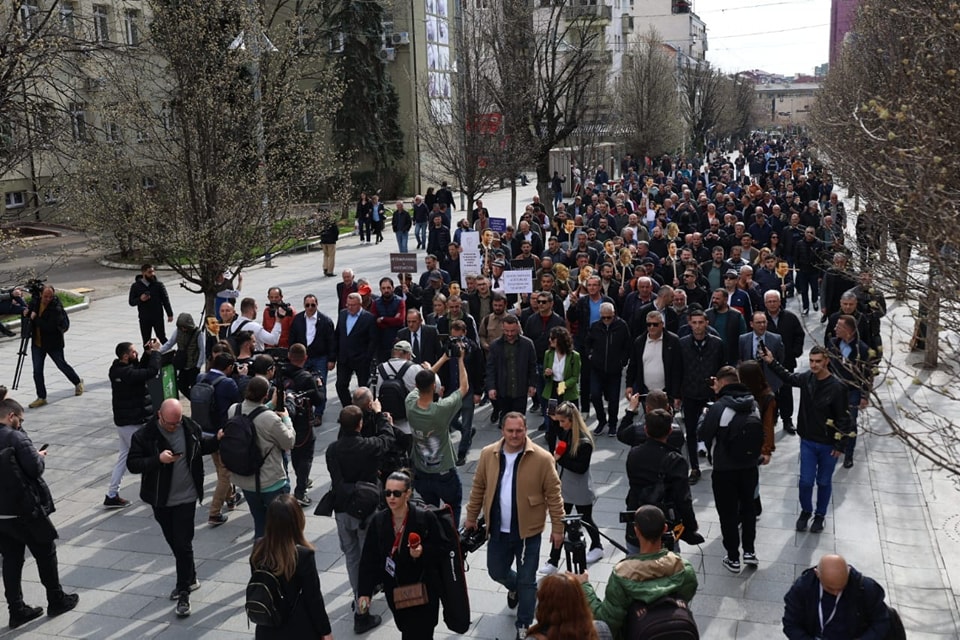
112, 132
101, 24
29, 16
148, 183
309, 121
168, 120
67, 15
336, 43
15, 199
6, 135
78, 122
131, 33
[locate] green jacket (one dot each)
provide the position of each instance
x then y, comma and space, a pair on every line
645, 577
571, 375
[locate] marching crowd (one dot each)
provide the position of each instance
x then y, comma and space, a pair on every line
667, 289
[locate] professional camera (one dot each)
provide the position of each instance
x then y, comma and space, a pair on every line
35, 287
573, 544
471, 541
273, 306
669, 538
458, 344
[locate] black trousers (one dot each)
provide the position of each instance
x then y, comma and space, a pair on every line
506, 405
149, 325
186, 378
177, 525
733, 494
691, 417
38, 535
301, 457
785, 404
345, 371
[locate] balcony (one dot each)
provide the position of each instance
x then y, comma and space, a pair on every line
601, 58
626, 23
599, 14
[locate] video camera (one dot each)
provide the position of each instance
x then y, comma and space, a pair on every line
672, 535
574, 545
458, 344
472, 540
273, 306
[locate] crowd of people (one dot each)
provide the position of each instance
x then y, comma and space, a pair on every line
667, 289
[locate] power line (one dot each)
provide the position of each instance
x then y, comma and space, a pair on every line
755, 6
766, 33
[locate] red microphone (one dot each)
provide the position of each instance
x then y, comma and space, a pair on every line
561, 447
413, 540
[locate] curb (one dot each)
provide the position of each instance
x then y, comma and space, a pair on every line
12, 324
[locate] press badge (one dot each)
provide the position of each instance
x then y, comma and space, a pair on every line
391, 567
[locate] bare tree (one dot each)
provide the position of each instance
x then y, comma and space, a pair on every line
702, 101
739, 113
647, 96
207, 135
879, 123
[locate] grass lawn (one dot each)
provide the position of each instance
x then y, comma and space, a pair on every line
66, 298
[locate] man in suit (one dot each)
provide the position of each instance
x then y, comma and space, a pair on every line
424, 339
750, 347
355, 342
508, 387
663, 373
345, 288
315, 331
787, 325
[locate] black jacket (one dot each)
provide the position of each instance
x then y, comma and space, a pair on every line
309, 616
860, 609
402, 221
526, 361
304, 384
430, 347
144, 458
323, 340
159, 300
50, 325
128, 382
699, 365
358, 347
31, 464
353, 457
580, 314
538, 331
608, 346
791, 331
672, 365
733, 396
824, 415
644, 463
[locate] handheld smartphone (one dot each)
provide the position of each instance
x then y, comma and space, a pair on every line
552, 407
43, 447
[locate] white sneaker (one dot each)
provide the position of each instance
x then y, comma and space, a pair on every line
701, 449
594, 555
548, 569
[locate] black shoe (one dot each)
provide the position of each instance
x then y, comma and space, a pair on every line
494, 417
599, 430
217, 520
461, 460
816, 306
522, 633
789, 428
65, 602
805, 311
183, 604
116, 502
304, 500
365, 622
612, 431
848, 462
803, 520
24, 613
175, 594
513, 599
694, 477
823, 318
10, 334
817, 525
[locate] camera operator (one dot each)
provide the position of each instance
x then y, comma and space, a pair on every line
302, 384
11, 303
372, 416
643, 577
448, 369
645, 463
278, 311
49, 323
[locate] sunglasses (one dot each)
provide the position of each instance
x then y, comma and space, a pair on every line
309, 305
654, 324
387, 493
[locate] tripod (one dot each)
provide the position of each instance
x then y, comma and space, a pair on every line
26, 329
574, 546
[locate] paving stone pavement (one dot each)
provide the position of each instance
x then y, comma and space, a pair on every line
891, 517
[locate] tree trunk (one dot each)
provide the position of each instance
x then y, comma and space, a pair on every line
513, 202
209, 303
931, 349
543, 185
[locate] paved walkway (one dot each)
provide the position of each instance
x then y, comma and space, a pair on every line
887, 517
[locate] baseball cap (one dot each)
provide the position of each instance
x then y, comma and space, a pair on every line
364, 290
731, 274
404, 346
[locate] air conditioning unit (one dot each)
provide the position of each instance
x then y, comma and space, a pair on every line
388, 54
402, 37
96, 84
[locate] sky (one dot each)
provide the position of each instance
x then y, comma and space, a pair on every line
777, 36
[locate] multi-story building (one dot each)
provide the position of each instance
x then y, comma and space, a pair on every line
842, 15
676, 23
786, 104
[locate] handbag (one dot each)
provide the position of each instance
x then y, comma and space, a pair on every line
410, 595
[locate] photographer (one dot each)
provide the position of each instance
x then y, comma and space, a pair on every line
645, 464
300, 386
49, 322
645, 577
278, 311
11, 303
448, 369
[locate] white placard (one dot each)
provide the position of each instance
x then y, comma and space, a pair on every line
517, 281
470, 259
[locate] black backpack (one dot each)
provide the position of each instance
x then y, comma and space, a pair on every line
232, 338
240, 447
28, 498
655, 494
267, 603
451, 571
392, 393
743, 436
668, 618
203, 403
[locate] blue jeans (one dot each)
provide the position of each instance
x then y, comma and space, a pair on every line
319, 366
402, 238
502, 550
463, 422
437, 487
557, 198
420, 233
816, 465
258, 503
38, 355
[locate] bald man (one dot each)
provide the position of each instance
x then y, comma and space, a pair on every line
834, 601
167, 452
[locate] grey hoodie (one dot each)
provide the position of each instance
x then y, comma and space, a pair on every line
735, 397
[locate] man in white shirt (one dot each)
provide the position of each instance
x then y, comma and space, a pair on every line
246, 321
654, 360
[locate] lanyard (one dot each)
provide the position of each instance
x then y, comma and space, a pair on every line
399, 536
823, 624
